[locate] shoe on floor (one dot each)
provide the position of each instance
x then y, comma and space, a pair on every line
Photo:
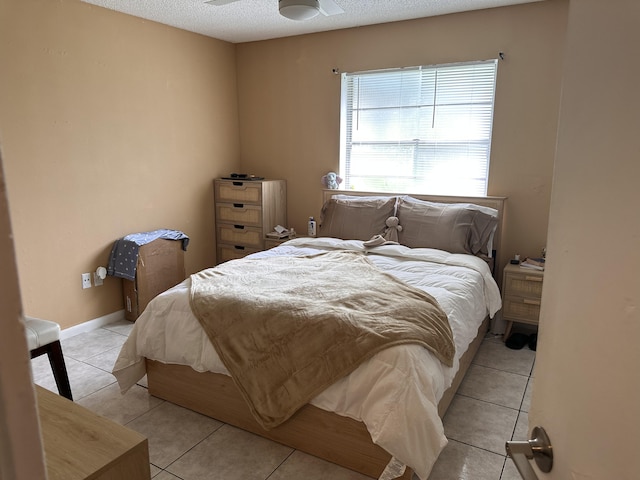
533, 341
517, 341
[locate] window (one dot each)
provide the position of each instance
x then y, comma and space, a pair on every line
423, 129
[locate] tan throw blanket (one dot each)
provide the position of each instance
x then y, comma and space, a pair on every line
288, 327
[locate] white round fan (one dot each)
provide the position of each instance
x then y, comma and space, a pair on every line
297, 9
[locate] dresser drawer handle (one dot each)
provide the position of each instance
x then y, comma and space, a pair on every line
238, 205
533, 279
531, 302
238, 247
239, 227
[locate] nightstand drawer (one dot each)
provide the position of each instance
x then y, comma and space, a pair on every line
521, 309
230, 191
232, 252
273, 242
244, 236
523, 284
239, 214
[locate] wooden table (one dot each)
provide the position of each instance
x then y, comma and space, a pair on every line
80, 444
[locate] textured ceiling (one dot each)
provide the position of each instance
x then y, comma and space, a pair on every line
251, 20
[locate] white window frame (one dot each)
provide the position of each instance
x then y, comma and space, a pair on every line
432, 137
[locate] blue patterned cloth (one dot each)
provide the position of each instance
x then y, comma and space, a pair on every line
124, 254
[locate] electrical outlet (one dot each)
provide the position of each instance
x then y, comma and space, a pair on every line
86, 280
97, 281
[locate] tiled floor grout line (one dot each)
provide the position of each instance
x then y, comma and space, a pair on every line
504, 466
144, 413
501, 370
99, 368
280, 464
479, 448
488, 402
192, 447
524, 395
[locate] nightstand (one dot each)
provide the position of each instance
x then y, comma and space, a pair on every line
274, 242
521, 295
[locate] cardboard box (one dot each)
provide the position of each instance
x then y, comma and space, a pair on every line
160, 267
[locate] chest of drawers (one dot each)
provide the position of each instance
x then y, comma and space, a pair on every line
245, 212
521, 295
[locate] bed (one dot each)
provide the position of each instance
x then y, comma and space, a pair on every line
360, 421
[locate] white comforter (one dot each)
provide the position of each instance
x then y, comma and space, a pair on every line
395, 393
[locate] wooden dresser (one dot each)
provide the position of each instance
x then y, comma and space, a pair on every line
81, 445
521, 295
246, 210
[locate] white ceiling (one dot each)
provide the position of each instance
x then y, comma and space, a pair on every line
251, 20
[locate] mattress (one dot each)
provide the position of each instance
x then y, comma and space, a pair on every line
395, 393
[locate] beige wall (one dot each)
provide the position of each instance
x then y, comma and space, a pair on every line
109, 125
290, 102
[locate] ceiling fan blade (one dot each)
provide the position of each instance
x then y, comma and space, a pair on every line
329, 7
218, 3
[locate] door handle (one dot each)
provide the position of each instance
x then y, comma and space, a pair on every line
538, 448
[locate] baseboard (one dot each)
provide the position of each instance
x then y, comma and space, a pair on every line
92, 324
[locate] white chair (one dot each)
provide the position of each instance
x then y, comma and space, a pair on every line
43, 336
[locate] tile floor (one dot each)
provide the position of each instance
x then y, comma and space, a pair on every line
491, 407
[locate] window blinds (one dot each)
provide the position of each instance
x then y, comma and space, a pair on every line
423, 129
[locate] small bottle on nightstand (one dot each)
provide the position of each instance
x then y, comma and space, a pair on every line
311, 231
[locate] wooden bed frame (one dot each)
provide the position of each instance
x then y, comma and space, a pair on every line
324, 434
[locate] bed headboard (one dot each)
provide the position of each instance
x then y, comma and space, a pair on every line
497, 203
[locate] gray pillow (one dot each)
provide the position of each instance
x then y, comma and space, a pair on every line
453, 227
355, 218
